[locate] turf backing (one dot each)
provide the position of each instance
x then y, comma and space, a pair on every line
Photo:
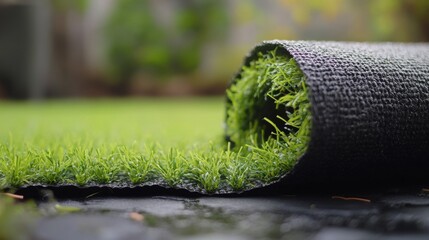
369, 107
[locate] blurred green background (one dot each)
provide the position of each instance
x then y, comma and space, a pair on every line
103, 48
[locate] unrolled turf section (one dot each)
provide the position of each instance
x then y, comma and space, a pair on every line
169, 142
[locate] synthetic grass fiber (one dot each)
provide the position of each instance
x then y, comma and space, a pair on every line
341, 114
174, 143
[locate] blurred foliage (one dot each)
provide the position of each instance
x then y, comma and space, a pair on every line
400, 20
140, 38
302, 11
79, 5
382, 20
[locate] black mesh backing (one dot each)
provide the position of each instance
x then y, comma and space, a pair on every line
370, 113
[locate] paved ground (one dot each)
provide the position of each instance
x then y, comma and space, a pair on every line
387, 216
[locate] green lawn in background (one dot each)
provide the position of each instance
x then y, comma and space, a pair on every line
172, 142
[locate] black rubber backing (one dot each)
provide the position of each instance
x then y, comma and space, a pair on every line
370, 113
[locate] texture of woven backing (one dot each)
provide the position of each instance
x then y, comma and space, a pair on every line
370, 112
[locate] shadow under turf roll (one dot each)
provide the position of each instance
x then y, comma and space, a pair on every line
340, 114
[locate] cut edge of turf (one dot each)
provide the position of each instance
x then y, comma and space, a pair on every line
268, 109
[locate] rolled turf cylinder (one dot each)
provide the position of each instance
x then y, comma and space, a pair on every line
341, 115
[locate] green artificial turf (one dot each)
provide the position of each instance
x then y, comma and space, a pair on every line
171, 142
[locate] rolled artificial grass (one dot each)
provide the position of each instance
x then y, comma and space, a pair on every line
299, 115
338, 114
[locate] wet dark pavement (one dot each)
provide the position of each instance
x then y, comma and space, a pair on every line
387, 216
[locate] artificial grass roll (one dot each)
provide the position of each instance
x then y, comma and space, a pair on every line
338, 114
